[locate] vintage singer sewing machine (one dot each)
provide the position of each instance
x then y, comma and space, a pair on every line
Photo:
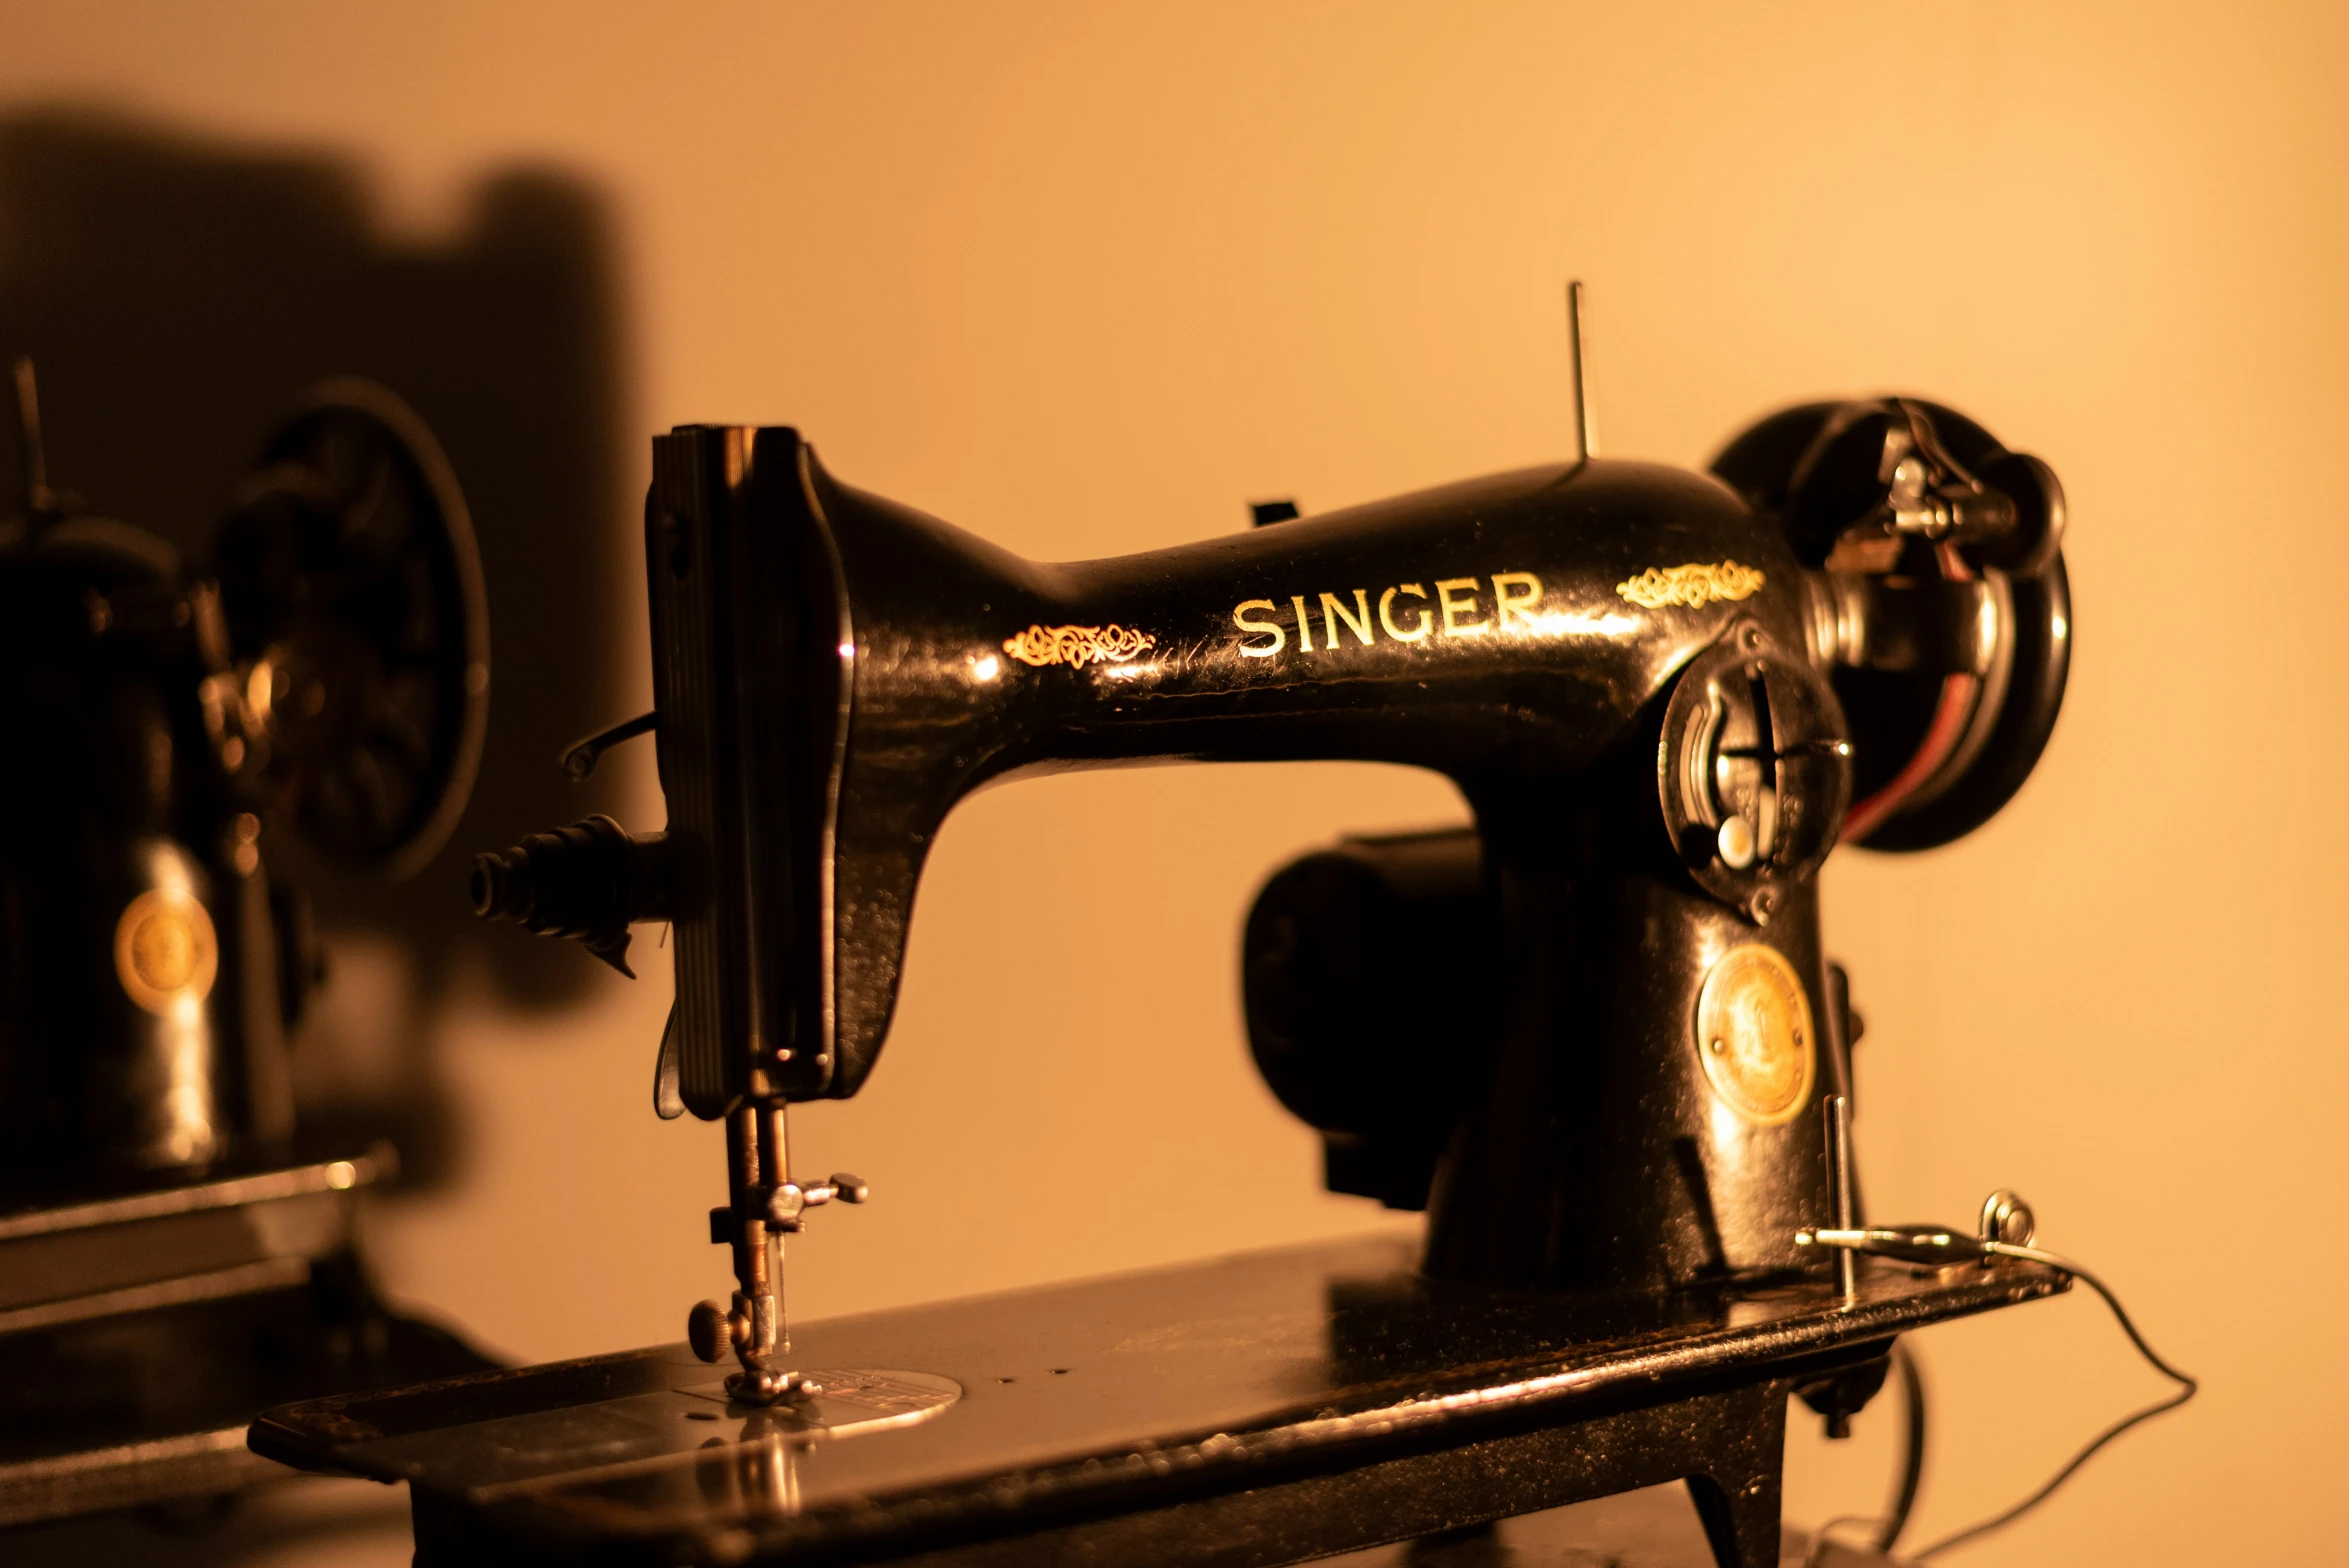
1596, 1039
173, 1258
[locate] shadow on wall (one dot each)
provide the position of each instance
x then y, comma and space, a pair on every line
178, 297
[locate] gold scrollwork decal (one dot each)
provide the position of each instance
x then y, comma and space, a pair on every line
1695, 585
1077, 645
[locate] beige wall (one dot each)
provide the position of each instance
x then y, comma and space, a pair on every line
1084, 277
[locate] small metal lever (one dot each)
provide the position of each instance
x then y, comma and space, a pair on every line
2006, 1232
1843, 1191
668, 1098
581, 756
783, 1205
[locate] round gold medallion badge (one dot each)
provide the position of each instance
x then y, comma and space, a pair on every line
164, 950
1754, 1034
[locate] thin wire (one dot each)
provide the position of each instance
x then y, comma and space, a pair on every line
28, 435
1895, 1519
1586, 425
1817, 1551
1912, 1464
2187, 1387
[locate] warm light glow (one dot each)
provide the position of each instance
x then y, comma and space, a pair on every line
188, 1102
187, 1037
1110, 271
987, 667
1581, 623
260, 688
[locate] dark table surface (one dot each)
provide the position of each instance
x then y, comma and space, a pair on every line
1106, 1395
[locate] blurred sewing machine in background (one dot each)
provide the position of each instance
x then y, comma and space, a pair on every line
1596, 1038
173, 1255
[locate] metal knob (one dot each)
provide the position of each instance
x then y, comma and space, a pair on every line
587, 882
712, 1331
2006, 1217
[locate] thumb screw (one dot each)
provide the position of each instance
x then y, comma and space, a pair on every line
709, 1329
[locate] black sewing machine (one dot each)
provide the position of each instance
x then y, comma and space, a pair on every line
172, 1259
1595, 1038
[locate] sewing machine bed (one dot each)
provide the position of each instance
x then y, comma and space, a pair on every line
1254, 1409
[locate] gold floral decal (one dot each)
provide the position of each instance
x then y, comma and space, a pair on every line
1077, 645
1695, 585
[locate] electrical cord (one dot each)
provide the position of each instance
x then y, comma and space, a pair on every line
2187, 1388
1895, 1517
1912, 1463
2004, 1214
1816, 1553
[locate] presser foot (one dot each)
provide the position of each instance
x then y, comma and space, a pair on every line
769, 1386
713, 1331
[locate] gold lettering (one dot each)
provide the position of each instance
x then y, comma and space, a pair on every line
1304, 624
1452, 608
1517, 599
1280, 637
1357, 621
1515, 607
1386, 614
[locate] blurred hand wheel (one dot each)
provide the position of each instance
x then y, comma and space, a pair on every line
357, 629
